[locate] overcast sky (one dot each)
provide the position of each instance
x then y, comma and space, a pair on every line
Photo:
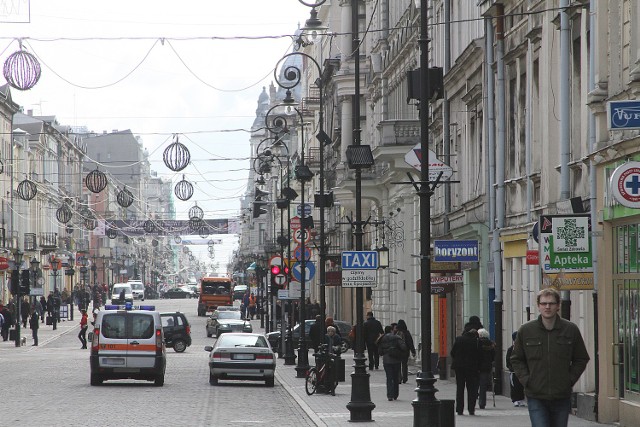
159, 67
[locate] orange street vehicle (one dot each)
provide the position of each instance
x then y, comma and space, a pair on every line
214, 292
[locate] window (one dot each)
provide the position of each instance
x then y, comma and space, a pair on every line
113, 326
141, 326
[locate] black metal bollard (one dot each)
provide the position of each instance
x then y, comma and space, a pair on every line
447, 411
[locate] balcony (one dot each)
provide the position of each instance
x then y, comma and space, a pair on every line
399, 132
48, 240
30, 243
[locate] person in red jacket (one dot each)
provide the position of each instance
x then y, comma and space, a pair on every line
82, 335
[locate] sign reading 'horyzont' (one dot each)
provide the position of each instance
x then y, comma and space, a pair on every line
455, 251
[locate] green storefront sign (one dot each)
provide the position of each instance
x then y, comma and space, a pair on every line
569, 259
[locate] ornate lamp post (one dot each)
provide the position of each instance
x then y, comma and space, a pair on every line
54, 262
17, 257
71, 273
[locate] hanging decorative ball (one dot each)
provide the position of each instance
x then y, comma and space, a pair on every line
183, 189
124, 198
177, 240
112, 233
96, 181
22, 70
176, 156
27, 190
196, 212
149, 226
154, 243
90, 223
64, 214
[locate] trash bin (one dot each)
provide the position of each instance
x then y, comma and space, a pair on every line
340, 369
447, 411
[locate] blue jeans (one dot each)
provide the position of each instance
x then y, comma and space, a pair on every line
393, 379
549, 413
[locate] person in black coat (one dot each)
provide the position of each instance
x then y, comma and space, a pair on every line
517, 389
403, 331
372, 331
473, 323
316, 333
488, 351
466, 364
391, 348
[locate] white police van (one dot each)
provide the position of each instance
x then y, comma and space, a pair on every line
128, 343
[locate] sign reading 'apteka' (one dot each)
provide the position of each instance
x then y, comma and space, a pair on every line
455, 250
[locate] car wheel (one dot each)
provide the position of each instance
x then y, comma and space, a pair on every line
159, 381
212, 379
270, 382
96, 379
179, 346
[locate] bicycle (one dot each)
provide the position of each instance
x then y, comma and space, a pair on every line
322, 378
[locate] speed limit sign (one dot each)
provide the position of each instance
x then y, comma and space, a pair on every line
301, 235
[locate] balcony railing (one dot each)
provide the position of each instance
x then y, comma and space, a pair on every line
49, 240
399, 132
30, 243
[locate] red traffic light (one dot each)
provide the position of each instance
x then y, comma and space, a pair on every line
275, 269
286, 270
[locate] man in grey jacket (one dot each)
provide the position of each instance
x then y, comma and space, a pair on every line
548, 358
392, 348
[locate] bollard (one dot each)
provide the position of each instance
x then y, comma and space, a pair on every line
447, 411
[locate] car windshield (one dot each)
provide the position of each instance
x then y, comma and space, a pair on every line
216, 288
244, 340
229, 315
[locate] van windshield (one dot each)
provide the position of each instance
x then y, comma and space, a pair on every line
216, 288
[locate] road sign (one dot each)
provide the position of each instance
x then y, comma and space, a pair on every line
295, 223
301, 235
304, 208
624, 114
414, 159
359, 269
275, 260
280, 279
297, 253
625, 184
310, 270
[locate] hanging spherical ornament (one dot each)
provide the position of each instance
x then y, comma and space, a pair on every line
176, 156
112, 233
195, 225
196, 212
90, 223
124, 198
64, 214
149, 226
183, 189
21, 70
96, 181
177, 240
154, 243
27, 190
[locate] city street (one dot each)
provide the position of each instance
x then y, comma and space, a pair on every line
48, 385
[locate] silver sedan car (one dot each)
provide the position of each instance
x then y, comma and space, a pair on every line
222, 321
239, 356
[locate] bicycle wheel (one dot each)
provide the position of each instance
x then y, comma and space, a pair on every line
311, 381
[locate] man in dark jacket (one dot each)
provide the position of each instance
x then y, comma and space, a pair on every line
391, 346
488, 351
466, 363
316, 332
372, 331
548, 357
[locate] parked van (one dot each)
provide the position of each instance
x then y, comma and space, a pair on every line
128, 343
116, 293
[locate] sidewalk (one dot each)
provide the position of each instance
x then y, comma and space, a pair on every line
45, 334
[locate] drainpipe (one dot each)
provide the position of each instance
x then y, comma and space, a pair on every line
593, 200
565, 129
527, 145
500, 176
446, 112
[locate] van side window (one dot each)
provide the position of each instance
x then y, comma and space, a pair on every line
141, 326
113, 326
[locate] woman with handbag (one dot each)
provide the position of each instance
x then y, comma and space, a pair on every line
393, 349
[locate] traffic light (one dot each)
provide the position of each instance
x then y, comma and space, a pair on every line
278, 270
275, 270
25, 282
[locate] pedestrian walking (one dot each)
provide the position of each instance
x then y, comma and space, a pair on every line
34, 324
466, 364
473, 323
392, 348
549, 356
516, 388
7, 323
408, 340
488, 352
25, 311
43, 306
82, 335
372, 332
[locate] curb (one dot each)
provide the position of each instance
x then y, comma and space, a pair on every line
306, 408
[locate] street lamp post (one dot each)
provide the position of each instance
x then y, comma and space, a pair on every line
426, 407
71, 272
17, 256
54, 267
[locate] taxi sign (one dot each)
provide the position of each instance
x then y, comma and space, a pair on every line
359, 269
